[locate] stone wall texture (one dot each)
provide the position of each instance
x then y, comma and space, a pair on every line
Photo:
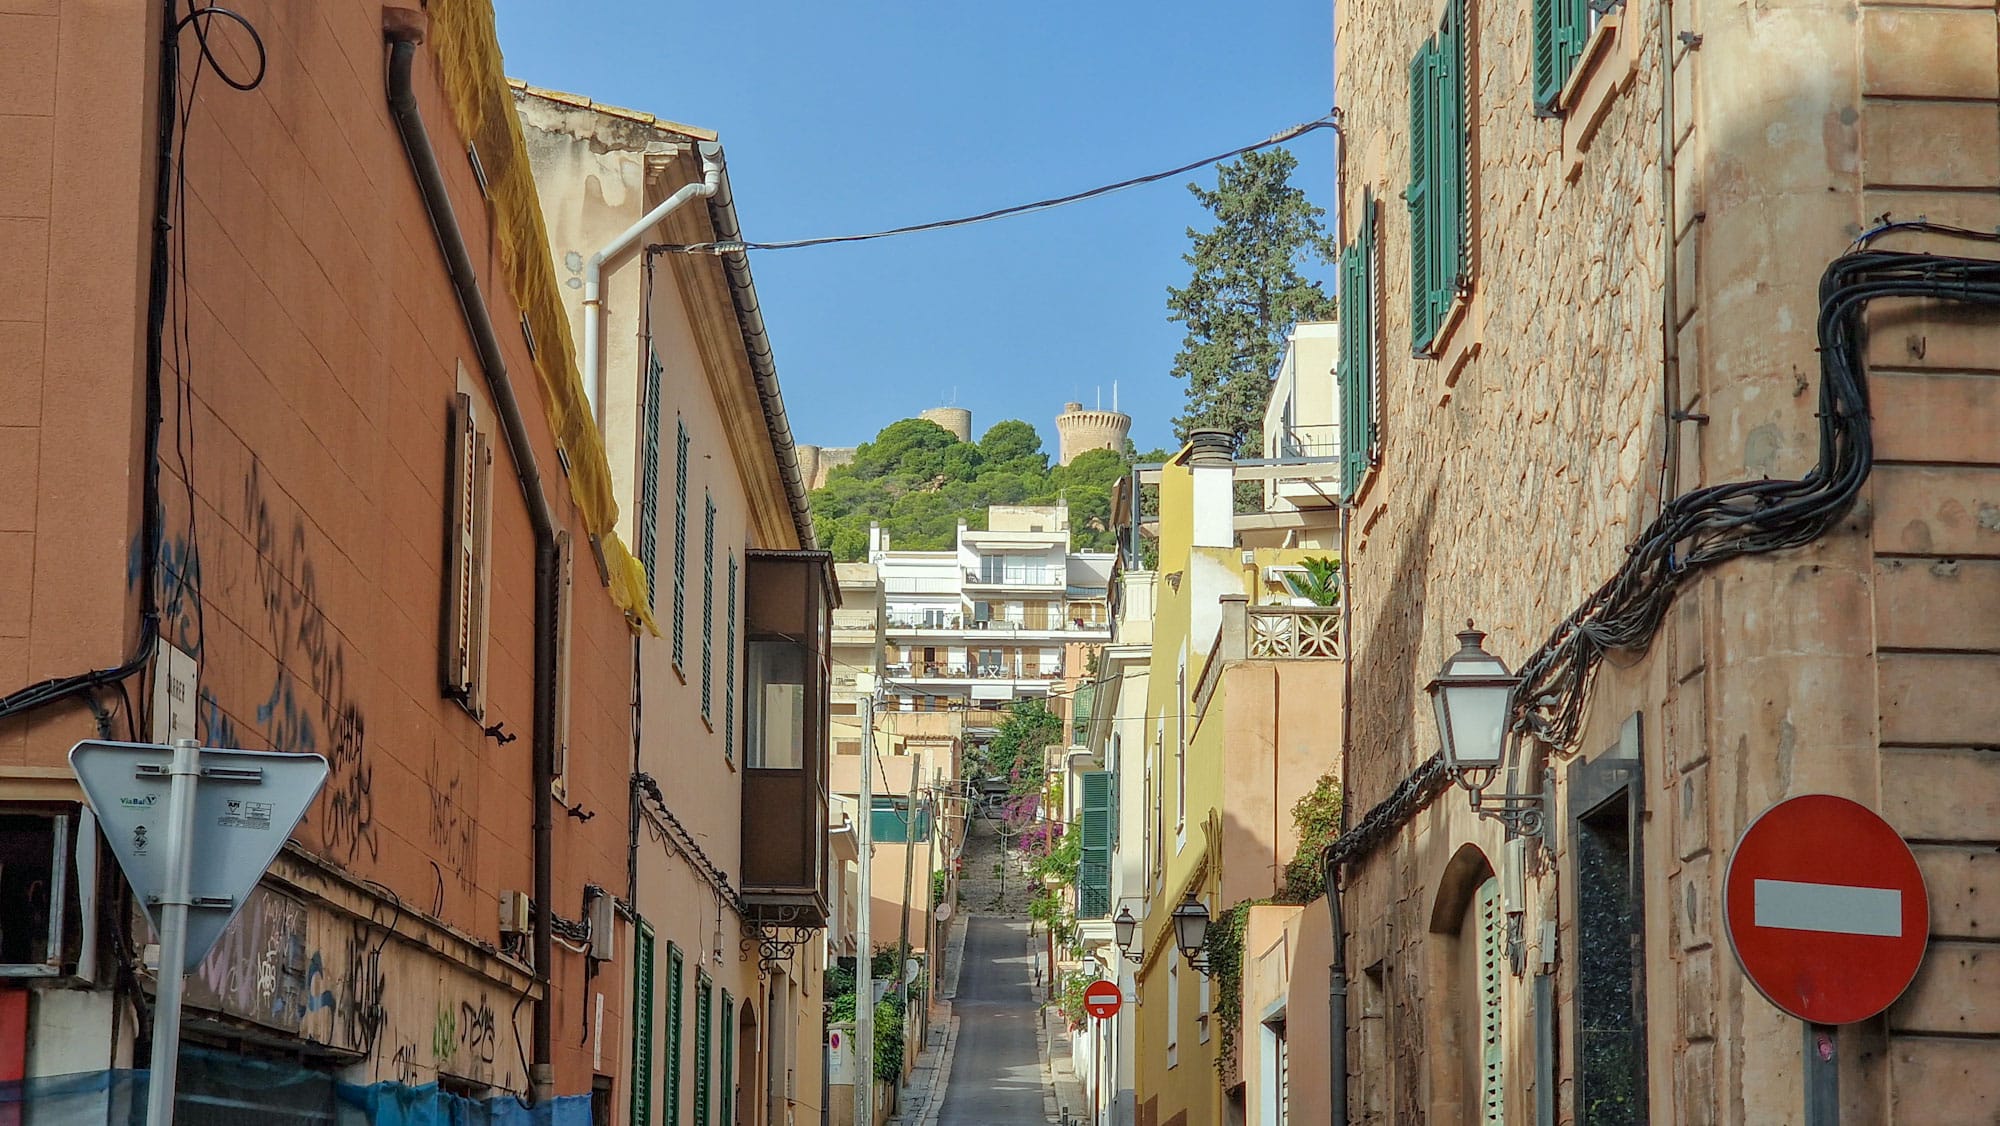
1515, 470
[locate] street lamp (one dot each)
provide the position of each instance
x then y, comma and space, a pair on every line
1125, 930
1191, 932
1473, 698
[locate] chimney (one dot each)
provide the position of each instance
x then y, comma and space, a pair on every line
1212, 463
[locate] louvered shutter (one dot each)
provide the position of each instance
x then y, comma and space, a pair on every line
727, 1076
707, 605
1418, 196
1562, 27
565, 574
1357, 351
704, 1047
461, 535
649, 481
1492, 1064
1548, 72
680, 543
1093, 884
674, 1022
642, 1026
1448, 165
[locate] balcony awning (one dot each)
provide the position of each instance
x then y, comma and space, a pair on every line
983, 693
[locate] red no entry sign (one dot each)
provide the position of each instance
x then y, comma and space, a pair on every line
1826, 909
1101, 999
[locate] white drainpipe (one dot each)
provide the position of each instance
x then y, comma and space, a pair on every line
593, 271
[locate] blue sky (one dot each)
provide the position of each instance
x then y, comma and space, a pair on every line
845, 117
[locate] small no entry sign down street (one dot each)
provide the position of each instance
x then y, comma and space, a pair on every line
1826, 909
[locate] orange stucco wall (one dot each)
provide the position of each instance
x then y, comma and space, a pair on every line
323, 346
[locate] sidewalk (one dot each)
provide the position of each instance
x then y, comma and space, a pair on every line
922, 1096
1065, 1100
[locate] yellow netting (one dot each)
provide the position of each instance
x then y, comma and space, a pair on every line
463, 42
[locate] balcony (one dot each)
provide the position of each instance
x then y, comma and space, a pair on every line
1037, 577
1268, 633
788, 611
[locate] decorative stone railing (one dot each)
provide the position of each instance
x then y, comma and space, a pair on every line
1267, 633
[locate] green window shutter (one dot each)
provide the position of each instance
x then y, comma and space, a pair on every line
707, 604
672, 1092
704, 1046
1561, 28
1547, 72
1418, 196
729, 667
1356, 370
1093, 883
728, 1076
649, 482
1492, 1063
680, 543
1446, 172
1456, 104
642, 1026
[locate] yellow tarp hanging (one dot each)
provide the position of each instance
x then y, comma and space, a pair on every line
467, 50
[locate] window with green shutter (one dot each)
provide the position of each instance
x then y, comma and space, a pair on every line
1560, 27
671, 1093
707, 604
729, 665
704, 1046
642, 1024
680, 543
1438, 192
1355, 373
1492, 968
727, 1077
649, 481
1093, 881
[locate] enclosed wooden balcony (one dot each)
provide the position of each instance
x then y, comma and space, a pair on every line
789, 600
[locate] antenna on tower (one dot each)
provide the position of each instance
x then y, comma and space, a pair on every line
1114, 396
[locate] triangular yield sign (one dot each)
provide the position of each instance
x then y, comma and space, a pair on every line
246, 805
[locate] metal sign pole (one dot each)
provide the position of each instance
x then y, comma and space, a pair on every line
174, 902
1822, 1073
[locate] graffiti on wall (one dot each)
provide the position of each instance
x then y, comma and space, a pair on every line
309, 707
347, 984
450, 823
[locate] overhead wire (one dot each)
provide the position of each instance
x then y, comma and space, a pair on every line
1330, 121
1704, 527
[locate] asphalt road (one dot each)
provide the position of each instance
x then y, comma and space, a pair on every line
996, 1074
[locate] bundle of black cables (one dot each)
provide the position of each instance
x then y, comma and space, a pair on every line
1706, 526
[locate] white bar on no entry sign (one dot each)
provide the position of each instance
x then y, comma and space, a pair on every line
1834, 908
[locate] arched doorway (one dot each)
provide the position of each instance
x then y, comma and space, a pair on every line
1466, 972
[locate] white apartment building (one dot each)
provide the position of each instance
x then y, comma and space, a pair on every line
1006, 615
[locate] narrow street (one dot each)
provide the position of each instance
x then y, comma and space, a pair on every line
996, 1073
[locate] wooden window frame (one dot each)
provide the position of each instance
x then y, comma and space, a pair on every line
462, 650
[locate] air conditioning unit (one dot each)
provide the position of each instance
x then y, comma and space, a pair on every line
603, 927
514, 912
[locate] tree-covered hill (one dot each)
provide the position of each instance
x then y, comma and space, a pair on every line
918, 481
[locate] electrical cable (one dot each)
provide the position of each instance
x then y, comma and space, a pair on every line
1330, 121
168, 172
1704, 527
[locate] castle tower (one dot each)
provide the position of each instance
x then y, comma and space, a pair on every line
1079, 431
958, 420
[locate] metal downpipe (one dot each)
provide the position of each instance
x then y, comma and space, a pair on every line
403, 39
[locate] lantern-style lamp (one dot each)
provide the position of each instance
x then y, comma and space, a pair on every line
1191, 932
1473, 698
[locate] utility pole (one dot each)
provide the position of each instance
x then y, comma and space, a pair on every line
910, 826
864, 961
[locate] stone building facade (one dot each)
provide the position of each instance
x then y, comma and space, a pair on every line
1633, 317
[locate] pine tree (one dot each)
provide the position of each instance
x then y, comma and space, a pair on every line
1247, 290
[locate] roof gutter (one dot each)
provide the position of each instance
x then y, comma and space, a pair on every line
757, 344
404, 34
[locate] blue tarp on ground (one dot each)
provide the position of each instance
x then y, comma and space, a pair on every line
218, 1089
